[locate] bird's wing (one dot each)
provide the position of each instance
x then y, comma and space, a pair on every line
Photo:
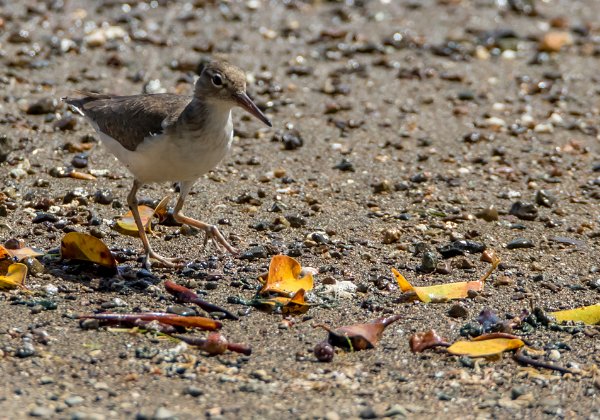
130, 119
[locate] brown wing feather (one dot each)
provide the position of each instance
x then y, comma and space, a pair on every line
130, 119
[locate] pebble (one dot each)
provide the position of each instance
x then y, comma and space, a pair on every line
524, 210
80, 160
7, 145
43, 412
193, 391
520, 243
391, 235
42, 106
396, 410
74, 400
544, 198
89, 324
554, 355
162, 413
461, 247
181, 310
368, 413
517, 391
458, 310
345, 166
291, 139
429, 262
26, 350
489, 214
255, 253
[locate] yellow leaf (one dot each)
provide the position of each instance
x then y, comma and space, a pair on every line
485, 348
586, 314
126, 223
444, 292
284, 277
15, 277
439, 292
296, 305
84, 247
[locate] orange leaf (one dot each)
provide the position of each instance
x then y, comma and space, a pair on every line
284, 277
485, 348
81, 175
14, 277
586, 314
84, 247
444, 292
25, 252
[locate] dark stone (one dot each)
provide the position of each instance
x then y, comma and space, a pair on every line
544, 198
461, 247
458, 310
7, 145
524, 211
345, 166
520, 243
104, 196
255, 253
44, 217
428, 262
43, 106
80, 160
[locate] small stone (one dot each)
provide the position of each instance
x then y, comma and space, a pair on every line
43, 106
489, 214
292, 140
554, 355
181, 310
391, 235
42, 412
163, 413
383, 186
544, 198
89, 324
41, 217
429, 262
26, 350
80, 160
520, 243
396, 410
368, 413
517, 391
193, 391
524, 211
458, 310
345, 166
255, 253
7, 145
74, 400
553, 41
331, 415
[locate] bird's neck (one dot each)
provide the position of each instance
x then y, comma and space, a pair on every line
202, 115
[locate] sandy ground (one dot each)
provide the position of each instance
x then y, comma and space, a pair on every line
416, 118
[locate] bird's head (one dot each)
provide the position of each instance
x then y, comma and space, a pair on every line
223, 82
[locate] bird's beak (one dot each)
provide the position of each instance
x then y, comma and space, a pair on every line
244, 101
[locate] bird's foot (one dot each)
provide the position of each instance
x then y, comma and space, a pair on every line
213, 234
161, 261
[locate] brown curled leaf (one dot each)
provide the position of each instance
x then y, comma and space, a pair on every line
183, 294
426, 340
214, 344
359, 336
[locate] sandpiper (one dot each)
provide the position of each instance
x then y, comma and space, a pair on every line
166, 137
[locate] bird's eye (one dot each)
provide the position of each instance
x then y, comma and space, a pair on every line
217, 80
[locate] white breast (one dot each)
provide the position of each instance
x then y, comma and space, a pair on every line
180, 155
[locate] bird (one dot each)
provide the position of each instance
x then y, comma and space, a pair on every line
171, 138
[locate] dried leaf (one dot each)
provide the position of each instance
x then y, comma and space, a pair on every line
359, 336
84, 247
293, 305
444, 292
183, 294
284, 277
14, 277
485, 348
25, 252
164, 318
422, 341
586, 314
126, 223
81, 175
